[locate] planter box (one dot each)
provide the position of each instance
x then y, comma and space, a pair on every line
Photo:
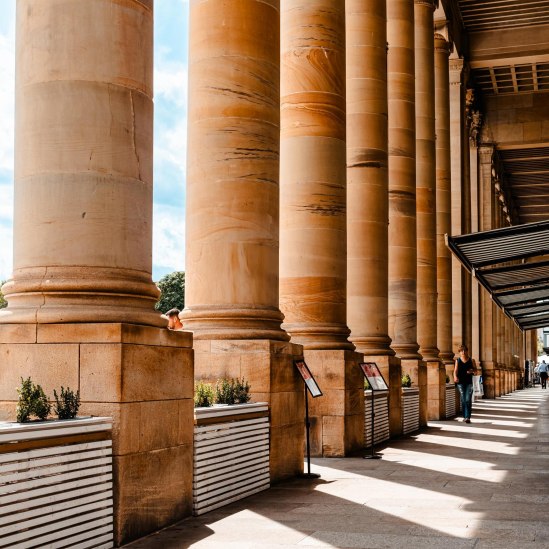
381, 417
410, 410
451, 400
231, 454
56, 484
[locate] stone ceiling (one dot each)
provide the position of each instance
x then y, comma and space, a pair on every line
480, 15
508, 52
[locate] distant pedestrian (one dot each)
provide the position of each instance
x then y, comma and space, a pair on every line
543, 371
464, 370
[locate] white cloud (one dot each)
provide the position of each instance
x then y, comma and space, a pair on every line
169, 237
170, 82
7, 94
6, 252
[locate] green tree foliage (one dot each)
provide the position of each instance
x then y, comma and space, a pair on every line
3, 302
172, 292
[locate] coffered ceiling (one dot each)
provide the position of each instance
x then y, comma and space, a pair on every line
507, 46
482, 15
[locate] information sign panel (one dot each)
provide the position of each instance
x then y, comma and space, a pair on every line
373, 375
308, 378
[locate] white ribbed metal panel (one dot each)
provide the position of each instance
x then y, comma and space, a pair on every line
231, 457
381, 417
59, 495
450, 400
410, 410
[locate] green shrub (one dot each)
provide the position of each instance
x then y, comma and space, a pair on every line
32, 401
366, 385
232, 391
241, 391
406, 380
66, 404
203, 395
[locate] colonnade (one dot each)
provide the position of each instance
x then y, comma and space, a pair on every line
324, 168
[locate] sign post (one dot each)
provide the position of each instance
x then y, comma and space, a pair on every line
310, 387
377, 383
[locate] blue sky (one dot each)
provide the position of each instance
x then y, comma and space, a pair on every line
170, 135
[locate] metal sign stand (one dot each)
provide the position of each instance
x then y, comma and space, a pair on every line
308, 474
372, 454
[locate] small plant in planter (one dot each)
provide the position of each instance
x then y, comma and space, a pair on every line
32, 402
366, 385
241, 391
203, 395
66, 404
232, 391
406, 380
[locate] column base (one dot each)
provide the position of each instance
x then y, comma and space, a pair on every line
417, 369
140, 376
436, 390
337, 417
268, 366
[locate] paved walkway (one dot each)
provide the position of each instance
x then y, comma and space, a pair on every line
483, 485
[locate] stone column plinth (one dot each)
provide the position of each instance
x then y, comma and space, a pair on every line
140, 376
313, 222
443, 199
83, 164
232, 237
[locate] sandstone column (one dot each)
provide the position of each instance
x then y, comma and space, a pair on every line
368, 191
488, 336
232, 296
402, 190
433, 397
313, 258
457, 128
83, 167
443, 200
82, 249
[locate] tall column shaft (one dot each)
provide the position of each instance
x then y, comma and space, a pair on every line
367, 176
443, 199
313, 254
83, 164
457, 126
426, 181
402, 179
232, 171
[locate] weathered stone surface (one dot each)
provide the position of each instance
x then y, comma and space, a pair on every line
154, 489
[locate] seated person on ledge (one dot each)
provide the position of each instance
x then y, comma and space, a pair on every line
173, 320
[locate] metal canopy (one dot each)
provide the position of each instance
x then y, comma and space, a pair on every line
512, 264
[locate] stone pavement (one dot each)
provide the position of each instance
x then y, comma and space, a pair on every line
483, 485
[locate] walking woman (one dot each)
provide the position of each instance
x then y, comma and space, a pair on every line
464, 370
